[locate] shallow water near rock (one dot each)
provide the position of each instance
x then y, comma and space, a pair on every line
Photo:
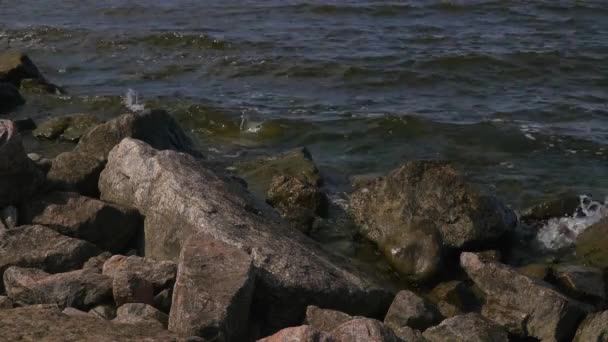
512, 92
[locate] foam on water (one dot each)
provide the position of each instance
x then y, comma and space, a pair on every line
562, 232
131, 101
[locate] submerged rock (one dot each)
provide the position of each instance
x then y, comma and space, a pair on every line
591, 245
19, 176
593, 329
298, 201
325, 319
213, 291
40, 86
42, 247
29, 324
521, 304
10, 98
433, 201
69, 128
471, 327
80, 289
179, 196
296, 163
408, 309
110, 227
563, 205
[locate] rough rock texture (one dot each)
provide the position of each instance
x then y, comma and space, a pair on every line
408, 334
213, 291
52, 128
16, 66
466, 328
69, 128
591, 245
427, 197
96, 263
131, 288
31, 324
325, 319
562, 205
298, 201
163, 300
110, 227
581, 282
19, 176
522, 302
41, 247
302, 333
408, 309
104, 311
161, 274
78, 289
75, 171
364, 329
8, 217
593, 329
5, 303
296, 163
75, 312
453, 298
10, 98
179, 196
137, 313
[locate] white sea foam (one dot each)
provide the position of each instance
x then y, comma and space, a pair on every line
248, 126
131, 101
562, 232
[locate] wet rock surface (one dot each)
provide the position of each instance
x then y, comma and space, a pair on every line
292, 268
591, 245
69, 128
410, 310
593, 328
582, 282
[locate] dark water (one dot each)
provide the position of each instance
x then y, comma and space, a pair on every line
516, 92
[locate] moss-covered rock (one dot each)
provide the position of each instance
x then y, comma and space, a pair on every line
68, 128
52, 128
295, 163
591, 245
562, 205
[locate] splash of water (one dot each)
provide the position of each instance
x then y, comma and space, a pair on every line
248, 126
131, 101
562, 232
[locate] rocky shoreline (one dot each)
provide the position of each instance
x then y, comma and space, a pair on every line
134, 235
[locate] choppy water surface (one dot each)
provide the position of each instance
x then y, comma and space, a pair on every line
516, 92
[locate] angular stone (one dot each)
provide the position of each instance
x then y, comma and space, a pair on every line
78, 289
75, 171
298, 201
131, 288
110, 227
161, 274
105, 311
453, 298
163, 300
179, 196
542, 311
593, 328
471, 327
325, 319
137, 313
96, 263
408, 309
41, 247
408, 334
5, 303
32, 324
19, 176
302, 333
16, 66
8, 217
10, 98
296, 163
581, 282
364, 329
591, 245
213, 291
52, 128
80, 124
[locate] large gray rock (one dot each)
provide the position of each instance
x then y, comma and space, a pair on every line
110, 227
410, 310
137, 313
34, 324
522, 303
593, 329
19, 176
364, 329
432, 201
78, 289
302, 333
41, 247
10, 98
213, 291
179, 196
161, 274
471, 327
325, 319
